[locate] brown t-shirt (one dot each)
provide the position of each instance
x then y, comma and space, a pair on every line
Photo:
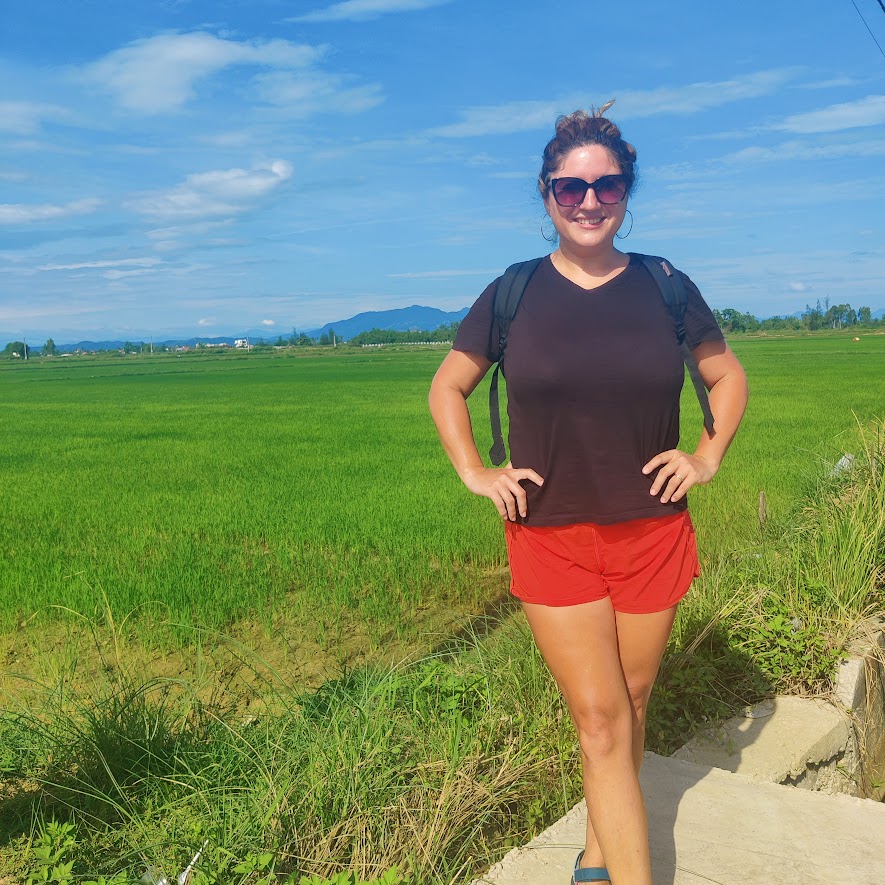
593, 385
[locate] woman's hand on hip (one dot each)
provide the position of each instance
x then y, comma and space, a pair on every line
678, 472
502, 486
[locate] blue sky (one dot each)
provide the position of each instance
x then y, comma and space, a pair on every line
186, 168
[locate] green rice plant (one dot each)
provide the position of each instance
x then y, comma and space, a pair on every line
203, 491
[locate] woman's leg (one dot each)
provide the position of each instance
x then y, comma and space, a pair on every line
605, 664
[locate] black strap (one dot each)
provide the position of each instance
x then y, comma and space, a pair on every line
672, 290
507, 297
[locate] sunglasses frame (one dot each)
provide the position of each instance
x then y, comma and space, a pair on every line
591, 185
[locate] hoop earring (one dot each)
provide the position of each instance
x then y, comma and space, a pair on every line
550, 237
624, 237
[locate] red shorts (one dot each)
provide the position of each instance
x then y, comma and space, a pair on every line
644, 565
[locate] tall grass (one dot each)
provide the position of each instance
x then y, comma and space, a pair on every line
436, 767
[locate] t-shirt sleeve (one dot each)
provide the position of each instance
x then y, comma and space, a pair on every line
478, 332
700, 324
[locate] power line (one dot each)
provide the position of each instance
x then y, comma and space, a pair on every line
868, 27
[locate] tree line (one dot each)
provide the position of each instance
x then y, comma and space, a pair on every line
822, 316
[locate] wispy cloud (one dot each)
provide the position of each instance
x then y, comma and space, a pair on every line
785, 151
869, 111
310, 92
444, 274
25, 117
692, 98
20, 213
224, 192
159, 74
116, 262
268, 322
362, 10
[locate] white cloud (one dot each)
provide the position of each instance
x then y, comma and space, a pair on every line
119, 262
310, 92
125, 274
869, 111
268, 322
159, 74
217, 193
799, 150
206, 321
361, 10
24, 117
20, 213
520, 116
792, 150
798, 286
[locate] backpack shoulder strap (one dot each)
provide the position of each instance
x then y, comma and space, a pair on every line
672, 289
507, 297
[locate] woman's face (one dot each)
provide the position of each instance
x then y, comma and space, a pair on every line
590, 227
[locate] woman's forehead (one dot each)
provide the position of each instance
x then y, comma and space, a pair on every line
592, 159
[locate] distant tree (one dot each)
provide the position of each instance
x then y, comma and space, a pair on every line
732, 320
49, 348
813, 317
864, 315
14, 349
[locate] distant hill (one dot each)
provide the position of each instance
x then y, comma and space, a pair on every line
404, 319
118, 345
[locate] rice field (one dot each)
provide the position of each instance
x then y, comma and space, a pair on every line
204, 490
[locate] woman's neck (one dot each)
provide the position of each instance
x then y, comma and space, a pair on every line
589, 271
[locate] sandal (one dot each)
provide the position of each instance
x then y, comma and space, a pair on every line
589, 874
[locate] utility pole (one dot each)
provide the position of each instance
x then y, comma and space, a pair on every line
25, 343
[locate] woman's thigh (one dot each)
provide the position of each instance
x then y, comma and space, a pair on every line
580, 645
603, 661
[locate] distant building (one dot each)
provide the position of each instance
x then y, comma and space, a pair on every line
241, 342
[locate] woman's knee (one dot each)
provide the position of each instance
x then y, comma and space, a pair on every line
603, 731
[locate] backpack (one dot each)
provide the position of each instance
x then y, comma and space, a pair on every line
507, 298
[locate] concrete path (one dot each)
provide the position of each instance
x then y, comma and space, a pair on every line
708, 825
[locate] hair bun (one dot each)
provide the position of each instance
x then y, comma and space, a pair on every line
580, 129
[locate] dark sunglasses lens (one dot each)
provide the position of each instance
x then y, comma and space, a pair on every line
610, 189
569, 191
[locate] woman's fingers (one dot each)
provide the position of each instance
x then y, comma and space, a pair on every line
502, 486
677, 473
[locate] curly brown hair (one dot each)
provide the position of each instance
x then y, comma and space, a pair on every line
581, 129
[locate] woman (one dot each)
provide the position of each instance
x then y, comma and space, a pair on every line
600, 543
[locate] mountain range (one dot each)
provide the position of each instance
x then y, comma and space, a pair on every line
415, 318
404, 319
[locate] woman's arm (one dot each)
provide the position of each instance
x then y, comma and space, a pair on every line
724, 377
455, 380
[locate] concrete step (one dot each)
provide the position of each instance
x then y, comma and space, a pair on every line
709, 825
787, 740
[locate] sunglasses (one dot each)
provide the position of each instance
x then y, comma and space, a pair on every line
609, 189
